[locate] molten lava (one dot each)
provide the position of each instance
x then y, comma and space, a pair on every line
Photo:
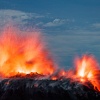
87, 69
23, 53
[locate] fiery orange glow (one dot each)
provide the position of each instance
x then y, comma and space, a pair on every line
87, 69
54, 78
23, 53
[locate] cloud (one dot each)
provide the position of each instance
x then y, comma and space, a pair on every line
18, 17
26, 19
96, 25
55, 22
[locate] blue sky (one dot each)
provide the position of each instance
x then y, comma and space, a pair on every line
71, 27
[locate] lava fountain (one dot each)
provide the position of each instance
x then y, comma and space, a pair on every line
27, 67
23, 53
87, 69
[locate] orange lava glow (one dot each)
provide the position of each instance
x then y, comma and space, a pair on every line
54, 78
87, 69
23, 53
26, 53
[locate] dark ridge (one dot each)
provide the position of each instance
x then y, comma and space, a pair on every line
31, 89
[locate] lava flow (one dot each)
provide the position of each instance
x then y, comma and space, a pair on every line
26, 53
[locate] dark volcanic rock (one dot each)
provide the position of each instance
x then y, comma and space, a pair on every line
30, 89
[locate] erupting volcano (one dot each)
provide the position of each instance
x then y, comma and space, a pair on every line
26, 64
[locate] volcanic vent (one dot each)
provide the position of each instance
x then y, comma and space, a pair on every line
28, 72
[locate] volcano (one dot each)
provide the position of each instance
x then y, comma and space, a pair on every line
28, 72
31, 89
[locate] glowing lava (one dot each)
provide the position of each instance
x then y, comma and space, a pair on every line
87, 69
26, 53
23, 53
